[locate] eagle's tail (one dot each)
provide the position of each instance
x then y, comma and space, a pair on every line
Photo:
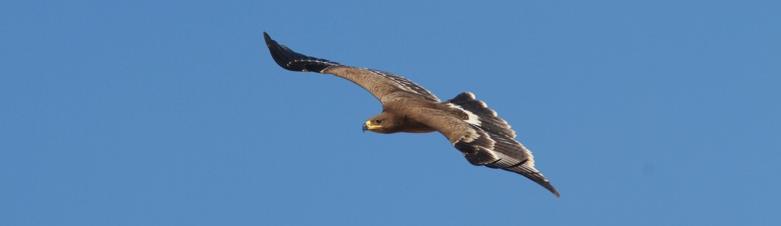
291, 60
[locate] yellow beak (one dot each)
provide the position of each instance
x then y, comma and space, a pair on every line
368, 125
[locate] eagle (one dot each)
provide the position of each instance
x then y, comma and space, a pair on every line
475, 130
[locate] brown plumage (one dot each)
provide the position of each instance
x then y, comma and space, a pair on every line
472, 127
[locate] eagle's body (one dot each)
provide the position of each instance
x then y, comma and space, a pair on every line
468, 123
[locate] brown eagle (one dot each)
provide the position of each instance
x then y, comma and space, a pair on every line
468, 123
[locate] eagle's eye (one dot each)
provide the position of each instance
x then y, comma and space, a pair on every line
377, 122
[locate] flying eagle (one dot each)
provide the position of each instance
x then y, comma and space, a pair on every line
484, 138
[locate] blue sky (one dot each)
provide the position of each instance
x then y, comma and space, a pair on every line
173, 113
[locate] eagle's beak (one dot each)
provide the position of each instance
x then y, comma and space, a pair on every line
368, 125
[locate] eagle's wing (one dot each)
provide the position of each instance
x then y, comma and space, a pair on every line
378, 83
483, 137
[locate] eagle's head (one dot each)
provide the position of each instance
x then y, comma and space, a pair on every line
382, 123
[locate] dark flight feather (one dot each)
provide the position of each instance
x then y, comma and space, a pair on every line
291, 60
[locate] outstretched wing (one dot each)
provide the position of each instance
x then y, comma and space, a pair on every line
378, 83
483, 137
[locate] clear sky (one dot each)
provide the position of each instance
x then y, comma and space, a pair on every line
173, 113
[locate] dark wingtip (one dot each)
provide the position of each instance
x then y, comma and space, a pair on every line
539, 179
291, 60
536, 176
267, 38
545, 183
552, 189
